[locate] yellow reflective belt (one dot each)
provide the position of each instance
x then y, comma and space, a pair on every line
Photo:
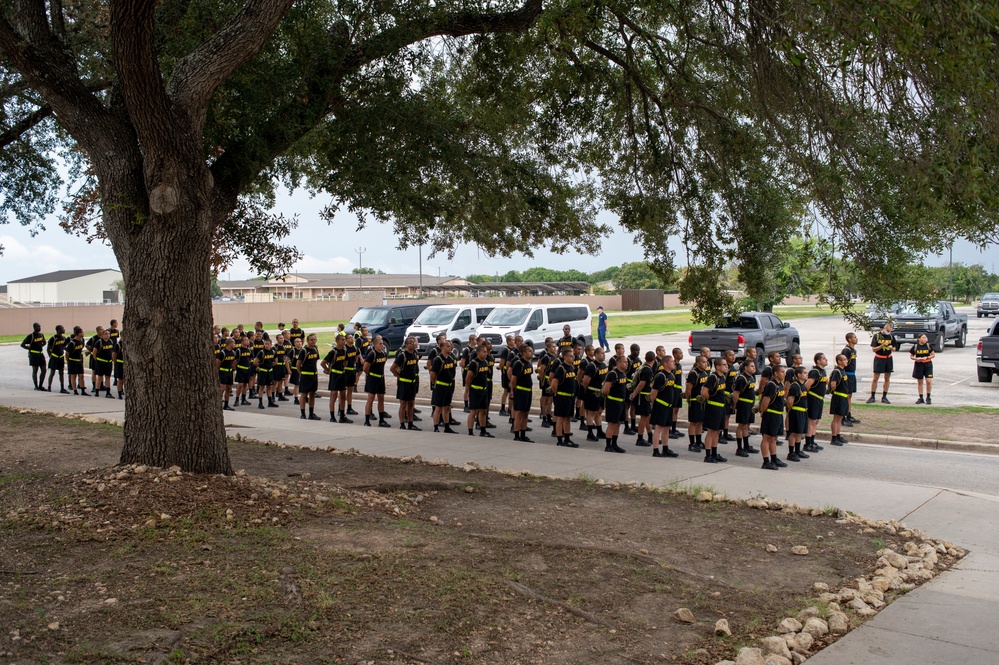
664, 403
225, 369
596, 390
304, 373
746, 399
646, 393
527, 388
477, 387
60, 356
561, 394
798, 408
405, 380
116, 360
103, 360
377, 376
842, 395
715, 403
815, 395
615, 399
33, 351
779, 413
247, 367
441, 383
336, 371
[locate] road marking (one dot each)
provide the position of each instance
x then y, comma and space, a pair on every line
961, 381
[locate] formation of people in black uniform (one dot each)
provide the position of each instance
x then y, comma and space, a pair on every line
103, 354
631, 394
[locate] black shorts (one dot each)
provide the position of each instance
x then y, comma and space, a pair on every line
695, 412
615, 410
884, 365
593, 400
815, 407
851, 383
293, 377
797, 422
504, 381
643, 407
919, 370
662, 416
349, 378
75, 366
308, 383
225, 378
278, 372
771, 424
478, 398
242, 375
744, 413
57, 363
119, 370
442, 396
102, 368
405, 391
336, 382
373, 385
838, 405
522, 399
36, 360
264, 378
677, 399
565, 406
714, 417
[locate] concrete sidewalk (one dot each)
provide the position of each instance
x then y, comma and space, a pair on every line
948, 621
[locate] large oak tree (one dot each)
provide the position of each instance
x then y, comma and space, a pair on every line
500, 122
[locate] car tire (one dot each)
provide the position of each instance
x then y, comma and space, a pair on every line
984, 375
962, 338
938, 343
792, 351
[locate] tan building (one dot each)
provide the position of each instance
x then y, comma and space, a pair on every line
333, 286
90, 287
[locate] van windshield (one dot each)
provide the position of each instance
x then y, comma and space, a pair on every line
507, 316
367, 316
436, 317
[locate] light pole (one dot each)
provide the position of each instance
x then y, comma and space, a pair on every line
360, 266
951, 263
420, 255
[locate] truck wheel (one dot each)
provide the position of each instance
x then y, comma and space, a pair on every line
761, 356
938, 343
793, 350
985, 375
962, 338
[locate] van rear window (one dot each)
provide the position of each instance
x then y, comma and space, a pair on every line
566, 314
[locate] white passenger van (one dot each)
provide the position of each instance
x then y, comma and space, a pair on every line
536, 322
456, 321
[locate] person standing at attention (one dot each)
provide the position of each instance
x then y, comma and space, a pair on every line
602, 329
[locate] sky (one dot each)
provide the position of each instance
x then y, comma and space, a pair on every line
332, 248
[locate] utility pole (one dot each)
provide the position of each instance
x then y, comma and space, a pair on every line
951, 262
420, 250
360, 266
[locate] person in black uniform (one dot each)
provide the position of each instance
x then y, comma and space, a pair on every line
696, 378
225, 363
478, 377
406, 369
279, 373
244, 368
256, 347
91, 345
104, 357
922, 368
661, 396
504, 365
113, 331
796, 401
634, 364
743, 399
263, 360
640, 398
350, 374
296, 333
74, 362
562, 379
883, 343
772, 417
615, 390
307, 364
294, 375
119, 366
593, 400
714, 398
522, 388
815, 387
677, 398
34, 343
443, 370
468, 354
546, 362
374, 383
565, 341
839, 404
57, 359
335, 365
733, 371
580, 361
766, 373
850, 372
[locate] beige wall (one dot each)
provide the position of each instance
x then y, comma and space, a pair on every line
18, 320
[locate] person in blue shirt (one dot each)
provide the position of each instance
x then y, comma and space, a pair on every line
602, 329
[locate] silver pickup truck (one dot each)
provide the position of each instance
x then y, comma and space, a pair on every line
761, 330
987, 355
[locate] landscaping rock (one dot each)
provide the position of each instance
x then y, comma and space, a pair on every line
805, 642
749, 656
775, 645
721, 628
799, 550
771, 548
704, 496
684, 615
816, 627
820, 587
839, 623
774, 659
807, 613
789, 625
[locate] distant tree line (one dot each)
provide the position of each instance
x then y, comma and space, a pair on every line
636, 275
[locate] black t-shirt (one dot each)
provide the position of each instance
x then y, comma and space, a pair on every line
443, 368
618, 384
678, 376
565, 374
522, 372
662, 384
409, 365
819, 381
851, 359
296, 333
883, 343
634, 362
836, 380
57, 346
565, 342
227, 358
309, 357
922, 352
716, 387
775, 392
74, 350
376, 361
35, 342
644, 375
279, 354
350, 352
264, 358
481, 370
794, 392
597, 371
244, 355
730, 378
105, 350
336, 359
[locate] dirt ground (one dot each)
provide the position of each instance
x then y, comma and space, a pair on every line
961, 424
318, 557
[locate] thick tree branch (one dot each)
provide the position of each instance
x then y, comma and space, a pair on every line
450, 24
22, 126
58, 21
197, 76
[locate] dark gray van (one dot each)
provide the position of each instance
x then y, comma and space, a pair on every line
389, 321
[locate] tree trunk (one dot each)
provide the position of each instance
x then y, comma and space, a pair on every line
173, 405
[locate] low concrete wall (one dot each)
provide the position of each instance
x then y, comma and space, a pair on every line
18, 320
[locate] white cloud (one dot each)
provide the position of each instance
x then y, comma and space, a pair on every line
21, 259
332, 264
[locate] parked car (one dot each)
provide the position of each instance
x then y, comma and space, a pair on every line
536, 322
761, 330
988, 305
389, 321
940, 325
456, 321
987, 355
